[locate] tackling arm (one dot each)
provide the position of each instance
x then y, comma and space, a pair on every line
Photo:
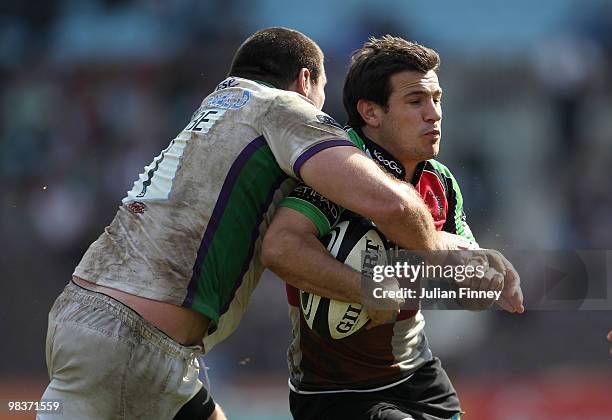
349, 178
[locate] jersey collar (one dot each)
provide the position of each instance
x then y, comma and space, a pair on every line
386, 160
261, 82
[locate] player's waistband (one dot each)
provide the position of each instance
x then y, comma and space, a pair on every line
336, 391
91, 299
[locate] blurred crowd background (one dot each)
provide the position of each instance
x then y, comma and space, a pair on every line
92, 90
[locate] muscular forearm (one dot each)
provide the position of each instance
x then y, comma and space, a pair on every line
304, 263
353, 181
412, 226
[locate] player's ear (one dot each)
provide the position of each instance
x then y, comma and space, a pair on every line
370, 112
301, 84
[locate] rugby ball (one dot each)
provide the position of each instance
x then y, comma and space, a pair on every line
347, 242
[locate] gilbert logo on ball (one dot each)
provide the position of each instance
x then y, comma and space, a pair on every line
347, 242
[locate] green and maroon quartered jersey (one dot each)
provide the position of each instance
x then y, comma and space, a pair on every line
189, 231
386, 355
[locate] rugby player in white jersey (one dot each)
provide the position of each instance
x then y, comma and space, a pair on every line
172, 274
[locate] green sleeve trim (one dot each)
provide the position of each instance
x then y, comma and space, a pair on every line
310, 211
458, 211
354, 137
462, 227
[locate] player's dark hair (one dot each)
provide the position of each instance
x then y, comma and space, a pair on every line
275, 56
371, 68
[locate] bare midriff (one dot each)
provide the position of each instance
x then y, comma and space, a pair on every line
183, 325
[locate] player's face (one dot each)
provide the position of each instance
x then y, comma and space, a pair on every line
411, 126
317, 89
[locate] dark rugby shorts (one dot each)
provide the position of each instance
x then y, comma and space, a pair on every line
427, 395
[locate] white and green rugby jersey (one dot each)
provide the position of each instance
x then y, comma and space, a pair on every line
189, 232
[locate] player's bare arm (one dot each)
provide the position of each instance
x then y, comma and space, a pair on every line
492, 280
511, 299
349, 178
292, 250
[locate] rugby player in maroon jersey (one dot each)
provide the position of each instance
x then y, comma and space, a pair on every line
392, 96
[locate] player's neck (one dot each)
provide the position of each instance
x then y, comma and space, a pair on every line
410, 166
